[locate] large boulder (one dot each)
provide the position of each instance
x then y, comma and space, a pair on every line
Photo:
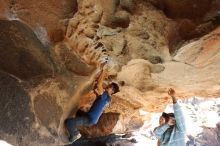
22, 54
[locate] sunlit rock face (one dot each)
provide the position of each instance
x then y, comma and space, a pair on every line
197, 67
49, 49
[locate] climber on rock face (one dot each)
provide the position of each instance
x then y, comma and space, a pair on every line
103, 97
171, 131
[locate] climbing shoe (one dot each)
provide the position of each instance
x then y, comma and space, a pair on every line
73, 138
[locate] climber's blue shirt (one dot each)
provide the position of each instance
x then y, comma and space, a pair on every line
98, 107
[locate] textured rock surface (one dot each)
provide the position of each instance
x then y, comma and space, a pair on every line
47, 18
23, 47
193, 19
50, 48
14, 100
196, 69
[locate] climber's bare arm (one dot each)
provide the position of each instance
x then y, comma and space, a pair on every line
100, 88
100, 81
87, 86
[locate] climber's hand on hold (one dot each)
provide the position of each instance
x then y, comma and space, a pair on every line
172, 93
102, 65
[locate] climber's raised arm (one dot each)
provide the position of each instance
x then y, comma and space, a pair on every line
99, 83
88, 85
178, 114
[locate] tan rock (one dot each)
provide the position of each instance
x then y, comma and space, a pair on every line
127, 5
71, 61
110, 18
137, 73
203, 52
116, 43
196, 72
90, 32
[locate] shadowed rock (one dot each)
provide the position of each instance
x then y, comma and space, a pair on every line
22, 54
16, 116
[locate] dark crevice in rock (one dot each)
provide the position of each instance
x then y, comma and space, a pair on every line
193, 18
110, 140
183, 9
